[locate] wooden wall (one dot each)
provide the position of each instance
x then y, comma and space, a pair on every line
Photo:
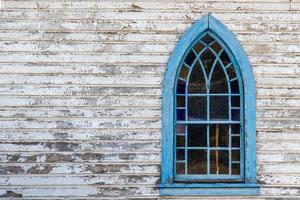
80, 93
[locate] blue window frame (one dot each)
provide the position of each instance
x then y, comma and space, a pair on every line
209, 140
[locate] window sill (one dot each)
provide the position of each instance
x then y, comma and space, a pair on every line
217, 189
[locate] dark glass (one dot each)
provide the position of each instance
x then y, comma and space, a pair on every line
235, 129
235, 101
235, 114
235, 170
218, 107
234, 85
197, 108
219, 162
190, 58
216, 47
231, 72
198, 47
235, 155
235, 141
197, 80
224, 58
207, 59
180, 114
197, 162
181, 87
180, 168
180, 154
197, 135
180, 100
184, 72
220, 132
180, 129
219, 83
180, 141
207, 39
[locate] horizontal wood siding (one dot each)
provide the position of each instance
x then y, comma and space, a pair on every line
80, 93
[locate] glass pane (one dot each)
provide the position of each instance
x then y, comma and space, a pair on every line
197, 162
197, 135
180, 129
207, 39
190, 58
207, 59
235, 155
216, 47
184, 72
219, 82
235, 142
181, 87
224, 58
197, 80
180, 100
197, 108
219, 162
218, 107
231, 72
180, 154
234, 85
198, 47
180, 168
235, 114
180, 141
219, 135
235, 101
235, 169
180, 114
235, 129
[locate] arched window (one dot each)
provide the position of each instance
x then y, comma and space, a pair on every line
208, 115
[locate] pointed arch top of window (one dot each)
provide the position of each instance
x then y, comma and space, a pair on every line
169, 186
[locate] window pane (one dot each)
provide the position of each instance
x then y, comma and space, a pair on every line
207, 39
197, 80
235, 101
197, 135
235, 142
216, 47
218, 107
235, 169
218, 82
231, 72
197, 108
180, 129
235, 155
224, 58
190, 58
180, 141
180, 100
235, 129
184, 72
181, 87
219, 136
180, 114
197, 162
198, 47
219, 162
207, 59
180, 168
180, 154
235, 114
234, 85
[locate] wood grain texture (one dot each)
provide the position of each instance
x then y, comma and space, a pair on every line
80, 93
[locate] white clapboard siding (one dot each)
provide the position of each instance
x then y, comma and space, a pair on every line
81, 89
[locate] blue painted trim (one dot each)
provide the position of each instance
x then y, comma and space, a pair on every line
213, 191
208, 23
